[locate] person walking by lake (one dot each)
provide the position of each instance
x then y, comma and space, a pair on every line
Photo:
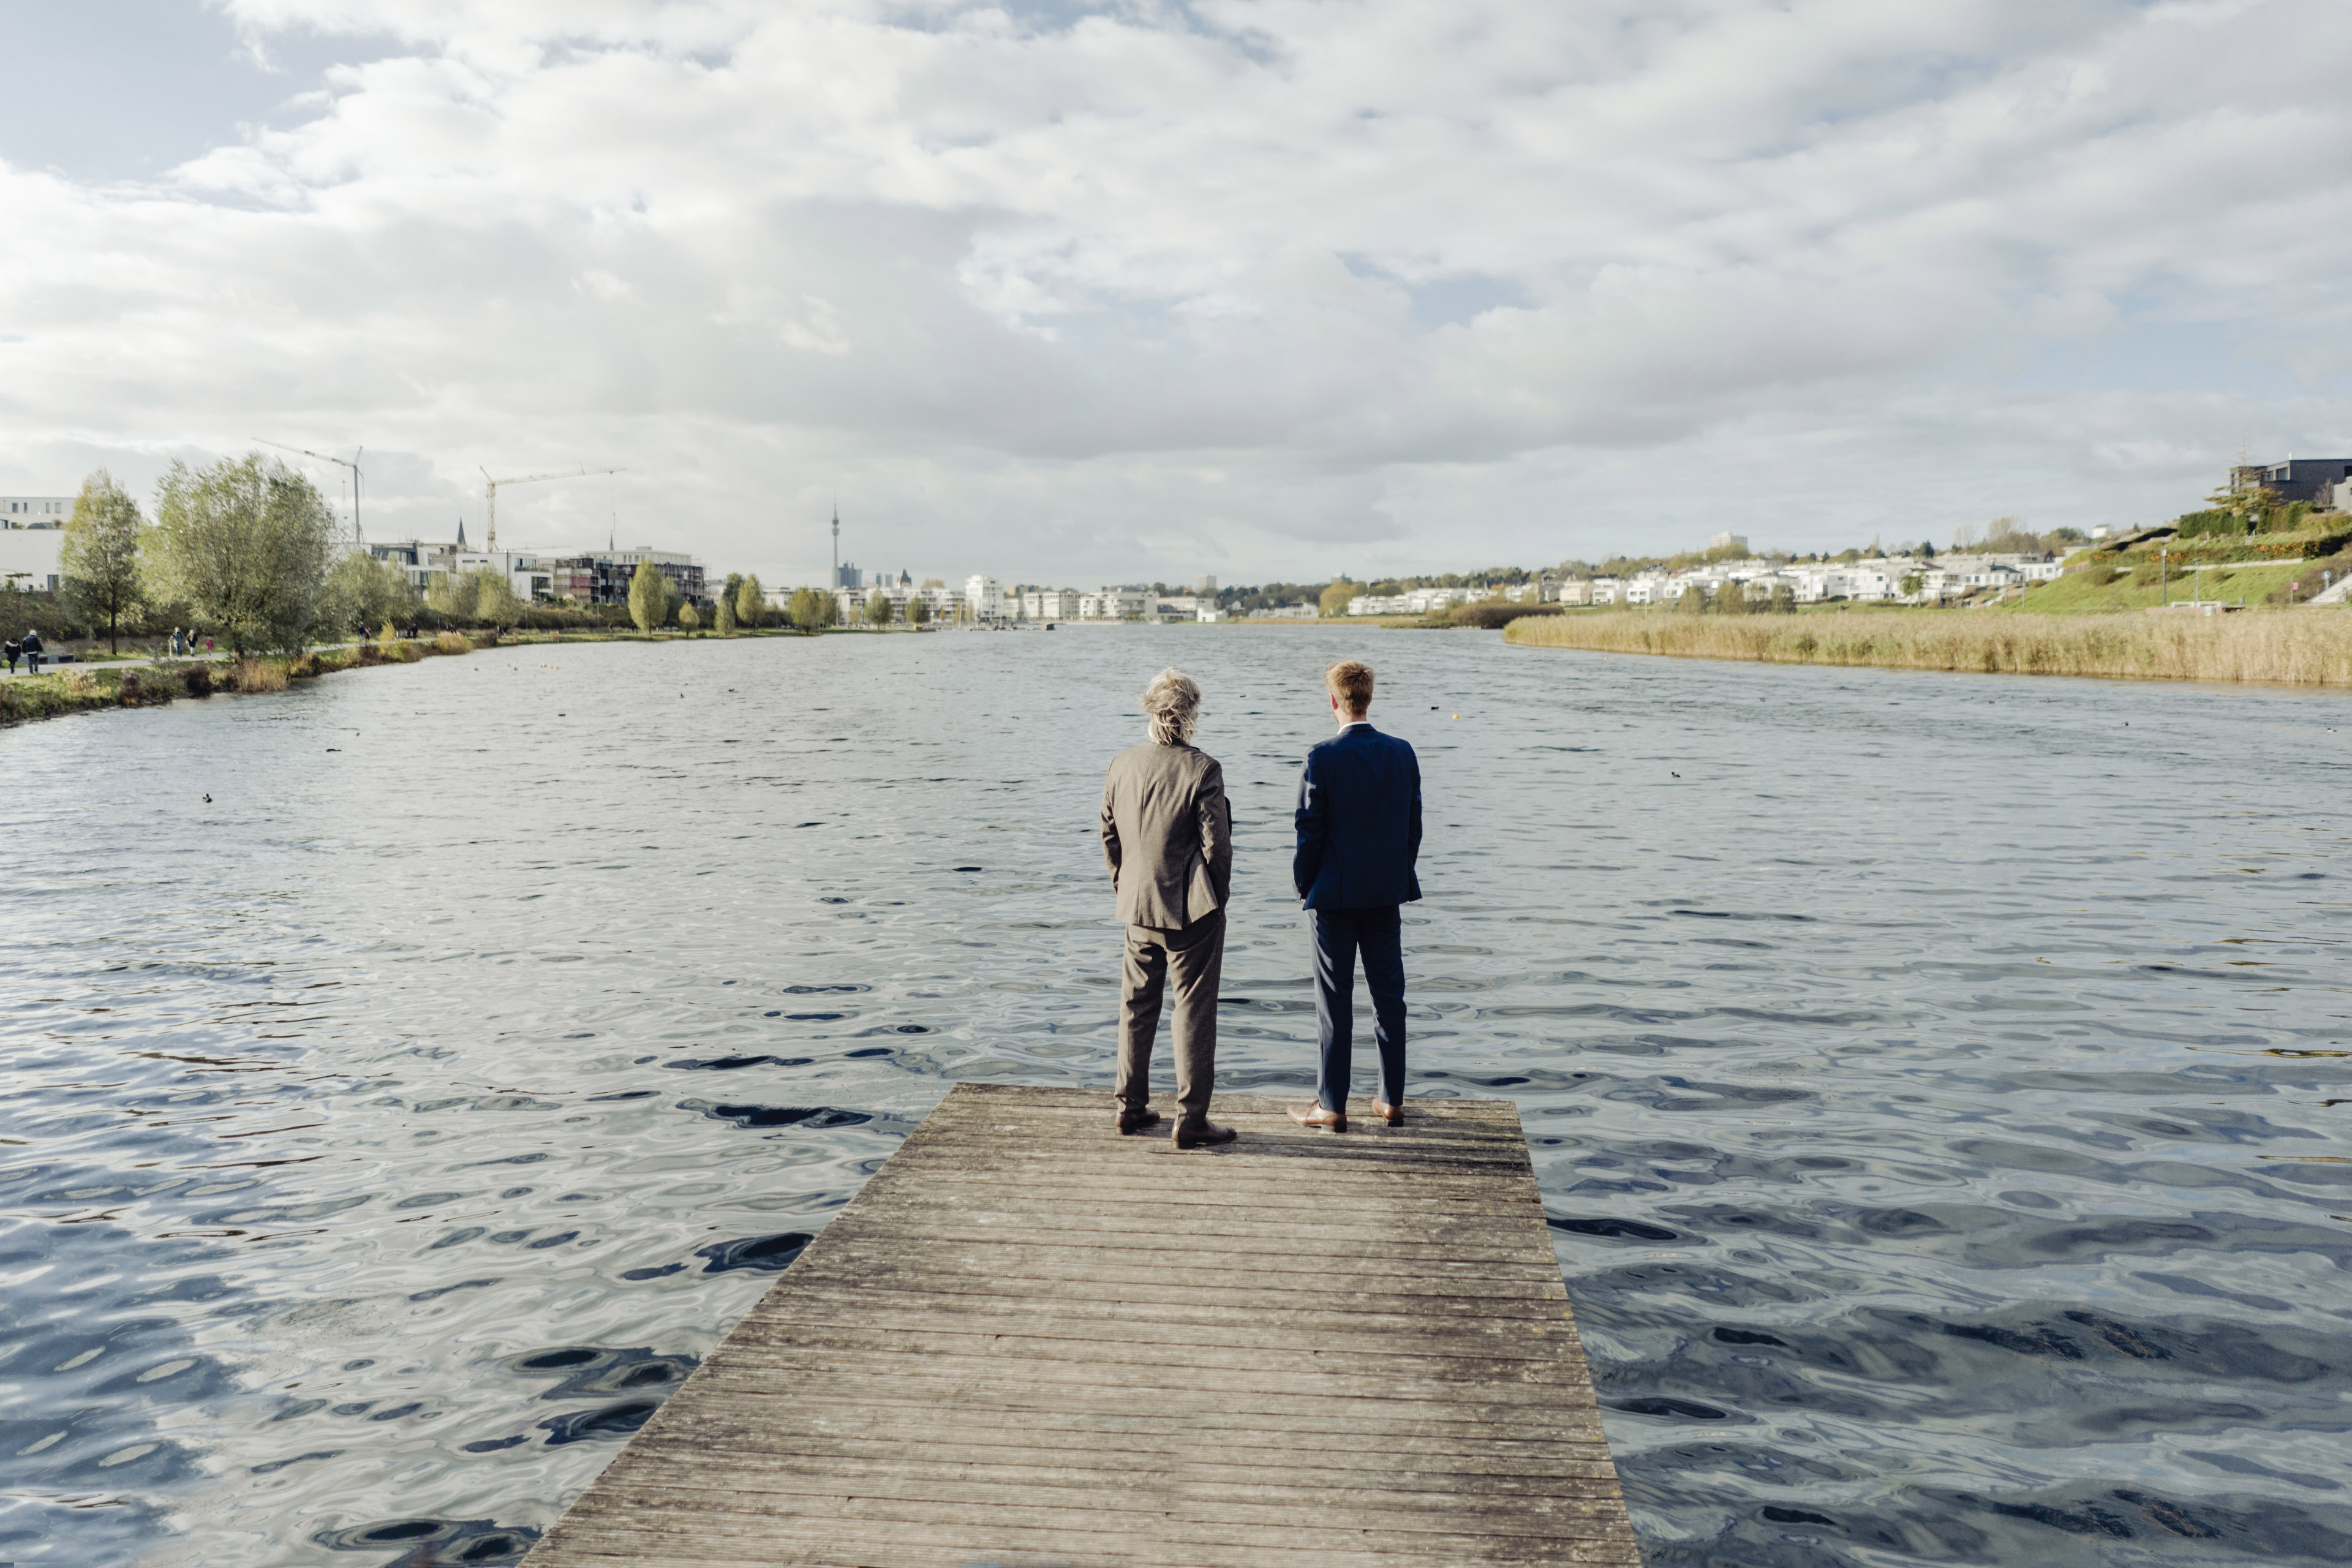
1168, 835
13, 651
32, 647
1358, 822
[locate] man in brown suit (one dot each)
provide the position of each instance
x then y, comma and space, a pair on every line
1168, 833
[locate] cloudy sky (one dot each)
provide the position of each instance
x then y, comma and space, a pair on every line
1078, 292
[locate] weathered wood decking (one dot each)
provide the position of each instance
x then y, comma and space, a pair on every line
1031, 1341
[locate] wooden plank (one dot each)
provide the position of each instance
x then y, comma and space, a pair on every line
1031, 1341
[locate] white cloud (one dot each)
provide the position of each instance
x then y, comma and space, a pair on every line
1016, 287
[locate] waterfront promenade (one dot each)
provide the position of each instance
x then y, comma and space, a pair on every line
1028, 1340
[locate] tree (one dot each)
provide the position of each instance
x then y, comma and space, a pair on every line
688, 618
750, 601
1784, 599
495, 603
1693, 601
452, 594
673, 600
2245, 498
1731, 599
1335, 598
99, 560
724, 622
362, 590
812, 608
648, 596
919, 610
878, 609
246, 543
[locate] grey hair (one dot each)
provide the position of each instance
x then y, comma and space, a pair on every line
1173, 702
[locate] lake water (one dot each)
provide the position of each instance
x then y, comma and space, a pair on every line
1937, 1082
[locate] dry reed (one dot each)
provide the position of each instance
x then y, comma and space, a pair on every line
2293, 648
256, 675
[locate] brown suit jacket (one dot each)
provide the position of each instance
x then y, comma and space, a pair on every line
1168, 834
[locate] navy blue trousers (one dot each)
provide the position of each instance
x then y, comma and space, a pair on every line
1340, 935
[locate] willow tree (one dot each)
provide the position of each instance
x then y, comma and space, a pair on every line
363, 591
495, 603
100, 560
648, 597
723, 621
246, 543
750, 601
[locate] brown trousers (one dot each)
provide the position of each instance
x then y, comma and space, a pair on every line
1196, 955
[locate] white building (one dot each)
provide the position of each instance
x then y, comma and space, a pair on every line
985, 595
1115, 605
35, 511
1050, 604
1414, 601
28, 559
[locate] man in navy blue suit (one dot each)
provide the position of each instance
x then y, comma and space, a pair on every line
1359, 834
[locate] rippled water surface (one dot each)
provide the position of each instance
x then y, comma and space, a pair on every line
1936, 1082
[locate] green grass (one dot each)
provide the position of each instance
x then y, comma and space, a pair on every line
2084, 593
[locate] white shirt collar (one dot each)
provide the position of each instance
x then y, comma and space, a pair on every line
1355, 724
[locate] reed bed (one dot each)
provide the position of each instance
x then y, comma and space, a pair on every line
2291, 648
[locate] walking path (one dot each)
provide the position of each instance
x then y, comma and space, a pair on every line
1029, 1342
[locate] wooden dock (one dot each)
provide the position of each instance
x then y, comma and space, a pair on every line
1030, 1342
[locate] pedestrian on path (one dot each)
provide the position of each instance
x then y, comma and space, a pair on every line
11, 650
32, 646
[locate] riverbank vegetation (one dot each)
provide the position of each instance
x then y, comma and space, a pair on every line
2299, 647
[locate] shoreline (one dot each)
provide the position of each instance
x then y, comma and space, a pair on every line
2290, 647
96, 686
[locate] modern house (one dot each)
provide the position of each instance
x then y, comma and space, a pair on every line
2297, 479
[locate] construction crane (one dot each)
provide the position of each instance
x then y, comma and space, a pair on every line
357, 537
491, 542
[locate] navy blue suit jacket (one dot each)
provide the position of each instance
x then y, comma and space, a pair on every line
1358, 822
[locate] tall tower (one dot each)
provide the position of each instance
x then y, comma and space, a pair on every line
837, 545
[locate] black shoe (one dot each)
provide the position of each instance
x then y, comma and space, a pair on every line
1137, 1121
1201, 1134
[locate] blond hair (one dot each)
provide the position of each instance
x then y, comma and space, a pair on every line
1173, 702
1351, 683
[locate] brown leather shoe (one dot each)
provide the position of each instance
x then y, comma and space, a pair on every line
1391, 1114
1137, 1121
1201, 1134
1316, 1116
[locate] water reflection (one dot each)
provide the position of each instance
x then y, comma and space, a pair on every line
1934, 1084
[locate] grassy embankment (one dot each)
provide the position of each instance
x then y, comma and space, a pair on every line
83, 688
2297, 647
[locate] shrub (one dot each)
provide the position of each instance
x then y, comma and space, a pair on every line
1487, 618
303, 666
451, 642
688, 618
256, 675
196, 680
